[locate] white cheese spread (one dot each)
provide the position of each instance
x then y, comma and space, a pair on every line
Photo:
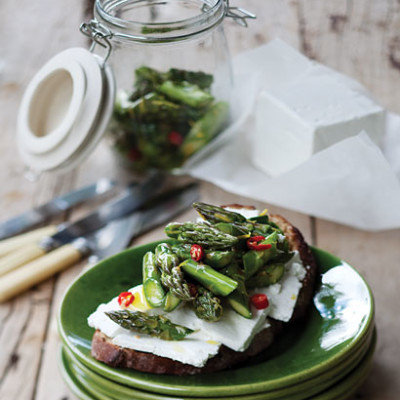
246, 212
232, 330
283, 295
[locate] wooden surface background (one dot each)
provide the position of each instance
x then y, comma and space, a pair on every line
358, 37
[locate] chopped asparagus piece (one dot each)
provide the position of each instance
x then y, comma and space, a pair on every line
201, 79
240, 304
206, 128
207, 306
239, 299
186, 93
172, 276
171, 302
152, 287
201, 234
267, 275
182, 250
219, 258
154, 292
253, 260
154, 325
216, 214
149, 267
215, 258
241, 231
211, 279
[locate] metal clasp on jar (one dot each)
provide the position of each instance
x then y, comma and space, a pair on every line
239, 14
99, 34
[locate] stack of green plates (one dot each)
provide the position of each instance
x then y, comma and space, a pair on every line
325, 357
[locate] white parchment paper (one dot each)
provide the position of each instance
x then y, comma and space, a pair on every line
353, 182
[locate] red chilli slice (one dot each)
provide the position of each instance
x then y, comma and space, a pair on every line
260, 301
196, 252
253, 243
175, 138
125, 299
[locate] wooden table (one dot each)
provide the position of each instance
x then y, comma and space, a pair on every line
360, 38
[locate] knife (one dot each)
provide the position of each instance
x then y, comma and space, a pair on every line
103, 243
43, 213
16, 242
128, 201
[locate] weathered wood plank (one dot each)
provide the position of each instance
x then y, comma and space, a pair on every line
50, 385
31, 33
21, 344
360, 39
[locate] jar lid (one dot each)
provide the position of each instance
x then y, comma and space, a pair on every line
65, 111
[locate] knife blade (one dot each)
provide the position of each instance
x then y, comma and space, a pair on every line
130, 200
107, 241
117, 234
38, 215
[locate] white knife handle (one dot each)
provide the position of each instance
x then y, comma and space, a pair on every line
9, 245
20, 257
17, 281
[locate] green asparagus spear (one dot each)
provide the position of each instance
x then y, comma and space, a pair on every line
186, 93
218, 258
283, 256
152, 287
148, 74
240, 230
171, 302
267, 275
165, 258
149, 267
201, 234
146, 80
201, 79
261, 219
207, 306
154, 325
215, 258
239, 298
215, 214
172, 276
262, 229
211, 279
206, 128
149, 124
253, 260
182, 250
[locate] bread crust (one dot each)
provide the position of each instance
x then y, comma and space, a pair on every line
115, 356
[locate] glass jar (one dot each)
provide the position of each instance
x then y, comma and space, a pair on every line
173, 77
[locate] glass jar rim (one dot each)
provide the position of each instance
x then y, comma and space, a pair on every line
158, 32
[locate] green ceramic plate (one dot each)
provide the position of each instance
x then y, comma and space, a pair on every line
95, 383
342, 316
339, 391
72, 382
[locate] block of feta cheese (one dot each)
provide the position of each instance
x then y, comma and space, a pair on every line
303, 113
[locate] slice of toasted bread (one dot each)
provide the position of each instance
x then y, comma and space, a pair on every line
105, 351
